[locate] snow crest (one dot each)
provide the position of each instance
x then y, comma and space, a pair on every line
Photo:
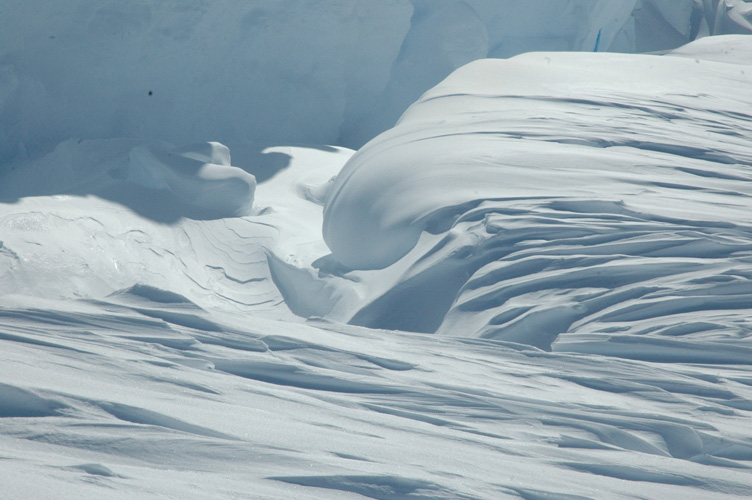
563, 199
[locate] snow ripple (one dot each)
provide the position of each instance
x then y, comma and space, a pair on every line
307, 405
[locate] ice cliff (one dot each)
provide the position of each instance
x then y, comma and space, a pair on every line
336, 72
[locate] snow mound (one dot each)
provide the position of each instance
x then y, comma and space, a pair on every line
603, 213
322, 410
199, 175
156, 179
559, 198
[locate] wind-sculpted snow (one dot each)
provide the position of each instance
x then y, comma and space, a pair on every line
95, 217
575, 229
566, 201
200, 176
143, 407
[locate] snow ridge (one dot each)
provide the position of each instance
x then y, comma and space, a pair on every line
554, 215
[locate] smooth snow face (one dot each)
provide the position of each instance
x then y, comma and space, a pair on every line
304, 71
560, 198
192, 71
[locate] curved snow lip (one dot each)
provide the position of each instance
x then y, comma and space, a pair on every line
446, 150
199, 175
142, 416
155, 179
559, 199
150, 293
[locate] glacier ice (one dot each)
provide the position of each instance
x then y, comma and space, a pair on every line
335, 72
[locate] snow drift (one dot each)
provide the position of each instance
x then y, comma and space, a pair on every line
560, 198
199, 175
574, 228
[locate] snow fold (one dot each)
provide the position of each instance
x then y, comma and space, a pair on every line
556, 197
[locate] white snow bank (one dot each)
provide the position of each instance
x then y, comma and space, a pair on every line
196, 180
461, 142
602, 210
334, 72
559, 193
732, 49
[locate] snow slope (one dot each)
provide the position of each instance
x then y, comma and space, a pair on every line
254, 408
600, 197
535, 286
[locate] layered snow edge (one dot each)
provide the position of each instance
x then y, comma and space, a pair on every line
564, 201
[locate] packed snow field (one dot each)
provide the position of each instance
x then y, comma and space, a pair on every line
535, 285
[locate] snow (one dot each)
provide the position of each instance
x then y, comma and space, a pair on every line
481, 116
200, 175
535, 285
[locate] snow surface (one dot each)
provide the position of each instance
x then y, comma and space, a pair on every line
543, 192
536, 285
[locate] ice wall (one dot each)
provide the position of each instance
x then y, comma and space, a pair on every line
190, 71
270, 72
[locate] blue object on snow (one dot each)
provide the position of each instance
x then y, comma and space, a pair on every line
597, 41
